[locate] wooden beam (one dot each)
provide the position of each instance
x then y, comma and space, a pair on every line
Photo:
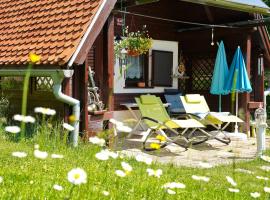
255, 105
95, 31
209, 14
84, 97
110, 61
246, 96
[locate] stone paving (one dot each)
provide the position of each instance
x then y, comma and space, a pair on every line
212, 151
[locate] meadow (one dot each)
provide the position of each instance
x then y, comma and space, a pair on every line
44, 175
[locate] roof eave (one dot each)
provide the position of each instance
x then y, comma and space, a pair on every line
92, 32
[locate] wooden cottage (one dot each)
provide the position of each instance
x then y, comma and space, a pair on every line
72, 35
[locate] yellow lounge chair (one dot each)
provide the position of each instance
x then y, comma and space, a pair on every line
196, 106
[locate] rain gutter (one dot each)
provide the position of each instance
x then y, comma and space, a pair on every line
57, 77
88, 31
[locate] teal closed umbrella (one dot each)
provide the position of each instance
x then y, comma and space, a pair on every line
238, 80
220, 74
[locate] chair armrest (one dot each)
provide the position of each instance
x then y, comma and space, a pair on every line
160, 124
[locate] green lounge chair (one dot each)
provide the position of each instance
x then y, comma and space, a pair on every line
155, 116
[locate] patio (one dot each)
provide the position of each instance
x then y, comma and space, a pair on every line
212, 152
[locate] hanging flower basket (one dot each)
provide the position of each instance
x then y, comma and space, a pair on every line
136, 43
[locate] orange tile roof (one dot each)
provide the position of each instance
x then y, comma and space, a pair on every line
49, 28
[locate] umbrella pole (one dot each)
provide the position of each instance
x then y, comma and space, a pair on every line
236, 113
219, 103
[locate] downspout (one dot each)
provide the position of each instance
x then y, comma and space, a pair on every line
57, 91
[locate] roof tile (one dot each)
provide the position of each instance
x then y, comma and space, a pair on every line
49, 28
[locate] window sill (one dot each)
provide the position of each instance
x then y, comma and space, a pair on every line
138, 87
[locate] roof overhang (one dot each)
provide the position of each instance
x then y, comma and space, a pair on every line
92, 32
255, 6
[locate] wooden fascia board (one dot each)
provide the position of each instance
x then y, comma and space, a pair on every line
97, 27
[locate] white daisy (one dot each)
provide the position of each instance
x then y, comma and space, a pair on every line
120, 173
22, 118
157, 173
244, 171
105, 193
68, 127
173, 185
265, 168
45, 111
265, 158
98, 141
231, 181
255, 194
103, 155
77, 176
40, 154
57, 156
112, 154
57, 187
120, 126
266, 189
200, 178
12, 129
126, 167
262, 178
144, 159
19, 154
234, 190
169, 191
124, 129
205, 165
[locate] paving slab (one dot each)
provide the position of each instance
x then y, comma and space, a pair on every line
212, 152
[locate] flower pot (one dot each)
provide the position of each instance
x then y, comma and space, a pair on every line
141, 84
131, 52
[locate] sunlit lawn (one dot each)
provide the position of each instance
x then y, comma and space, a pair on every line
33, 178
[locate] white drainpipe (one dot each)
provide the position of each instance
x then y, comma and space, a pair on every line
57, 91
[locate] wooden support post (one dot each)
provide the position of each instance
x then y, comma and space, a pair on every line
246, 96
84, 97
110, 61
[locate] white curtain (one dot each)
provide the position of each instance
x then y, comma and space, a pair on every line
134, 67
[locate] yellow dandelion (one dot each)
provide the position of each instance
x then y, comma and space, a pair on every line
161, 138
155, 146
34, 57
72, 118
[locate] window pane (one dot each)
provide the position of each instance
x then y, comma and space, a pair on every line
135, 67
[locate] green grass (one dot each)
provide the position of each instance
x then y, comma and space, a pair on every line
31, 178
